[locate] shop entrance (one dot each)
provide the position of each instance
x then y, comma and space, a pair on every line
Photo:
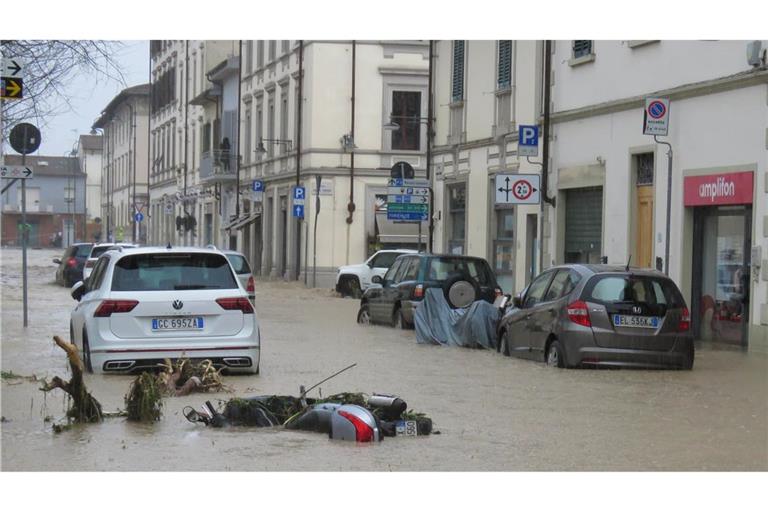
721, 252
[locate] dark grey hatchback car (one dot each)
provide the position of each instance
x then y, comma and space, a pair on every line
600, 315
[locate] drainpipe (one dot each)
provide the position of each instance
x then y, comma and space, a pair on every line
351, 205
430, 107
186, 127
298, 153
545, 148
133, 161
149, 146
237, 156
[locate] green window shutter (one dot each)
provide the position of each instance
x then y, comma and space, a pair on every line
504, 79
457, 83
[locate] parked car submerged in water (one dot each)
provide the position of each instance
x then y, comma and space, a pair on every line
599, 315
393, 298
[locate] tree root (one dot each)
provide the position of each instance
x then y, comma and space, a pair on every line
85, 408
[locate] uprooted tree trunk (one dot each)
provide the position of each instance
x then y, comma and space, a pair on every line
85, 408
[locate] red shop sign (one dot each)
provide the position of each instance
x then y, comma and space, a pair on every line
714, 189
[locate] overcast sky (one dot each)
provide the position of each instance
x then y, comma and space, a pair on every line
89, 99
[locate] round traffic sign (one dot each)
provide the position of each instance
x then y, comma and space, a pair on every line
402, 170
25, 138
522, 189
139, 217
657, 109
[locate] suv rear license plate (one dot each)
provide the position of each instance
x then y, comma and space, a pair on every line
650, 322
177, 323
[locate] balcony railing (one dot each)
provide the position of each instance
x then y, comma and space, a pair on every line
217, 166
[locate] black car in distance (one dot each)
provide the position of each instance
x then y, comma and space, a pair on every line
392, 299
71, 264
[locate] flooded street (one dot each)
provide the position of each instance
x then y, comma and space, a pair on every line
493, 413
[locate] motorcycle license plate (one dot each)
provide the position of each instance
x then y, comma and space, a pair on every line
179, 323
648, 322
406, 428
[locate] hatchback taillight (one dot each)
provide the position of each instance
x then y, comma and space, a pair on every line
685, 321
363, 431
72, 262
250, 288
578, 313
235, 303
107, 307
418, 291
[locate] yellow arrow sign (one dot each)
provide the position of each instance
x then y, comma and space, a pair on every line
12, 88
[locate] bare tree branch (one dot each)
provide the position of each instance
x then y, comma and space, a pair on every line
49, 67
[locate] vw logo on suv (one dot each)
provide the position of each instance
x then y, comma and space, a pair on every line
177, 304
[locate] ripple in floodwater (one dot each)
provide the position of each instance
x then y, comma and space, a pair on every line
494, 413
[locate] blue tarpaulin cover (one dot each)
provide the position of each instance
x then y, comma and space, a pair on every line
473, 326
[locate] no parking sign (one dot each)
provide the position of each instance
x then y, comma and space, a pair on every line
656, 116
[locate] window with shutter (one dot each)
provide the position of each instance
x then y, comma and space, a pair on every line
457, 80
504, 70
583, 225
582, 48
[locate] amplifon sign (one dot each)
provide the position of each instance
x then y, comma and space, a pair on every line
716, 189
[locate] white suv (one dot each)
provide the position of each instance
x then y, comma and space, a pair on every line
142, 305
353, 280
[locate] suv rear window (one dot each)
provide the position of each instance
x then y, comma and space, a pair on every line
444, 268
239, 263
174, 271
83, 250
614, 289
98, 251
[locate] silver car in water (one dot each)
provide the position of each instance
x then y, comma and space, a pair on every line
599, 315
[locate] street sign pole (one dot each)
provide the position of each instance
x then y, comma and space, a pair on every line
669, 202
318, 179
24, 233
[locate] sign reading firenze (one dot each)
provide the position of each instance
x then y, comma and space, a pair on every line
716, 189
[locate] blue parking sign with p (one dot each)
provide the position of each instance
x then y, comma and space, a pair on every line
258, 186
298, 193
528, 142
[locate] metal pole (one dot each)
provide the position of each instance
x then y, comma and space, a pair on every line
669, 202
430, 107
298, 155
314, 235
24, 232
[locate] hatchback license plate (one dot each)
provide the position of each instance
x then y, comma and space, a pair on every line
177, 323
650, 322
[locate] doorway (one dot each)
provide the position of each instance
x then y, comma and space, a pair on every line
721, 280
644, 192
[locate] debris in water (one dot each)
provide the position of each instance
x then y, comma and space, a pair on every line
184, 376
144, 400
85, 408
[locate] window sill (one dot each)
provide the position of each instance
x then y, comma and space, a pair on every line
456, 104
578, 61
636, 43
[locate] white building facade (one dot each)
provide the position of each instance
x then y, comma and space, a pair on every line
89, 153
328, 101
124, 165
483, 92
610, 180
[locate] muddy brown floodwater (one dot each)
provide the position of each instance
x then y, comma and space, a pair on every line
494, 413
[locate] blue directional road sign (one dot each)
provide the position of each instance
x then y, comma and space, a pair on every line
298, 211
139, 216
258, 186
528, 143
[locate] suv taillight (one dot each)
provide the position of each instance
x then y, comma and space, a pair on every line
107, 307
578, 313
72, 262
685, 321
233, 303
418, 291
250, 288
363, 431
